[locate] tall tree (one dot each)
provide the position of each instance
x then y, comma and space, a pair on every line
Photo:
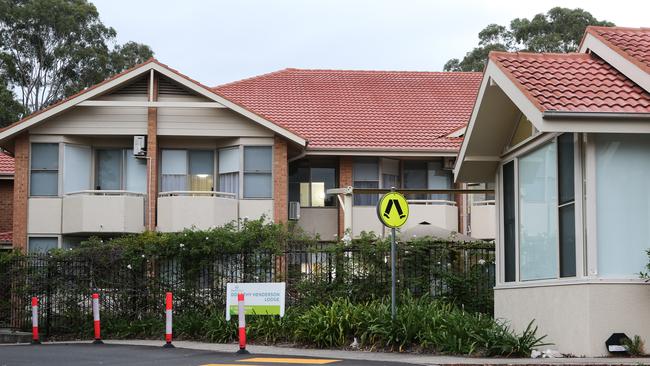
559, 30
50, 49
10, 108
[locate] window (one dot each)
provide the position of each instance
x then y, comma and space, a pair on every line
509, 222
623, 203
118, 169
419, 174
539, 212
309, 179
566, 205
42, 244
365, 175
389, 173
229, 170
44, 170
438, 178
77, 168
258, 172
187, 170
538, 215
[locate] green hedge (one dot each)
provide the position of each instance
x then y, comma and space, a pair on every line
421, 325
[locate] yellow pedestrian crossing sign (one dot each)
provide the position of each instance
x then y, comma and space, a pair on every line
393, 209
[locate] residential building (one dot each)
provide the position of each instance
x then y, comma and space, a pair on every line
151, 149
6, 199
565, 139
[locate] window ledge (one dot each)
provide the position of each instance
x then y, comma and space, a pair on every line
572, 282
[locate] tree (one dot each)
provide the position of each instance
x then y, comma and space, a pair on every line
559, 30
50, 49
11, 109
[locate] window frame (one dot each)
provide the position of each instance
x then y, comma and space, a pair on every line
58, 170
215, 168
43, 236
242, 185
579, 166
123, 167
309, 165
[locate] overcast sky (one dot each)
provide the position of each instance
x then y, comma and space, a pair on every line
221, 41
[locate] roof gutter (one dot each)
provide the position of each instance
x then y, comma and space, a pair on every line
594, 115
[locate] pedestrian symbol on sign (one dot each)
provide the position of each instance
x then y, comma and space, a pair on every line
393, 210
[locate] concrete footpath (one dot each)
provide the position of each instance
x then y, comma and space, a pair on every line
412, 358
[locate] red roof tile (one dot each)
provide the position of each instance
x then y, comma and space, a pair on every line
632, 43
343, 109
6, 164
6, 237
574, 82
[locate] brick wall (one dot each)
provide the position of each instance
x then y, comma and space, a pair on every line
6, 205
21, 191
280, 180
345, 180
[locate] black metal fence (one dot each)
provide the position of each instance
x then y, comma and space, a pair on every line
134, 288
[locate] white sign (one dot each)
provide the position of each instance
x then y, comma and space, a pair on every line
259, 298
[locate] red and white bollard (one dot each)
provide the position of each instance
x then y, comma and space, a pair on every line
241, 315
168, 321
98, 336
35, 339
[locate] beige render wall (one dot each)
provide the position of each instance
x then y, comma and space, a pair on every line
578, 318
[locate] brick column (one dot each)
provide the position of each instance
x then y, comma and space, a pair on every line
345, 180
152, 161
6, 205
21, 191
280, 181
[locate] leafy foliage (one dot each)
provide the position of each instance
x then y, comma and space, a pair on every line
634, 346
422, 324
50, 49
559, 30
11, 109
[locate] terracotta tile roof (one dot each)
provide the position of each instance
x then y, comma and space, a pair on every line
6, 164
574, 82
6, 237
631, 43
344, 109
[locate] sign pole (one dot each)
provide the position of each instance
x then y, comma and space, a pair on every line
393, 211
393, 274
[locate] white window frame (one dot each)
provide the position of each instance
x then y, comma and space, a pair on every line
582, 206
59, 175
242, 172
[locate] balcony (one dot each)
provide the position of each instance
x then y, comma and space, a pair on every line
180, 210
483, 220
440, 213
103, 212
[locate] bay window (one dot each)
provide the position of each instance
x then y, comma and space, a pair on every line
539, 212
623, 203
118, 169
77, 168
365, 173
258, 181
44, 170
187, 170
229, 170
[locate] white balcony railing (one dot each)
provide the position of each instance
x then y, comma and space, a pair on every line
178, 210
197, 194
432, 202
483, 219
97, 211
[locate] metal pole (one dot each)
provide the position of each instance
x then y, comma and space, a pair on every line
393, 274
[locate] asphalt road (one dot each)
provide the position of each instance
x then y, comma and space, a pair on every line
88, 354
